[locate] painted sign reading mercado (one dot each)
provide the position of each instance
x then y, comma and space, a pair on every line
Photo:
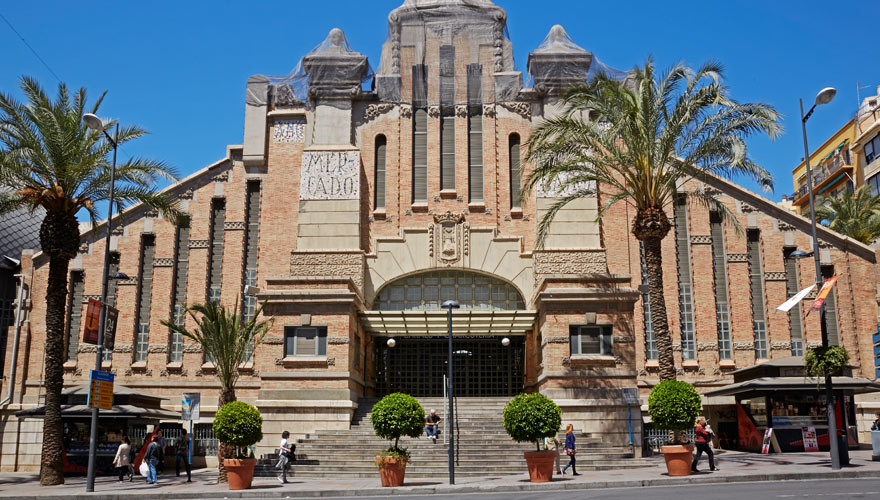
330, 175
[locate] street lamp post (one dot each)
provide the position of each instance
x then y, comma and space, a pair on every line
95, 123
449, 305
824, 97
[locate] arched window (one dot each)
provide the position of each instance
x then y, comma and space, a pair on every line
515, 171
379, 186
426, 291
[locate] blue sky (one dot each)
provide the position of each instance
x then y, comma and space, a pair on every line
179, 68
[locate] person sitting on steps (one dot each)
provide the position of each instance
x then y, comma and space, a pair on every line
432, 425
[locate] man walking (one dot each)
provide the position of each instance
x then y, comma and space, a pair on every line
183, 455
151, 457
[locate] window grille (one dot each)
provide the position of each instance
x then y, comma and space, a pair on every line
145, 290
685, 292
426, 291
792, 287
722, 304
756, 280
515, 171
381, 151
181, 263
74, 313
650, 337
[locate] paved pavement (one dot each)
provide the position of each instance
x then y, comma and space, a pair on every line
735, 467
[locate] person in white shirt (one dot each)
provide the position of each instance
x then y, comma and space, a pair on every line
283, 457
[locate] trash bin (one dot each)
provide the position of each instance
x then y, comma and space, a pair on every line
875, 445
843, 447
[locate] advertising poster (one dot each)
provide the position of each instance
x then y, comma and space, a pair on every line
189, 406
811, 443
823, 293
768, 435
93, 316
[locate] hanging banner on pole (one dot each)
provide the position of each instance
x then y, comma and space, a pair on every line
823, 293
189, 406
93, 317
795, 299
111, 317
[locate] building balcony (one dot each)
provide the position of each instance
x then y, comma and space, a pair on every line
826, 175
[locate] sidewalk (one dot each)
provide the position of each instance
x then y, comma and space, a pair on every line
734, 467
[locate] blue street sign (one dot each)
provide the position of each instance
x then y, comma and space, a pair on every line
102, 376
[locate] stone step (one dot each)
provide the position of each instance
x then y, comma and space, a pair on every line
413, 473
513, 460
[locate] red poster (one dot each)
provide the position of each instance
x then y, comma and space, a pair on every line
93, 315
768, 435
811, 443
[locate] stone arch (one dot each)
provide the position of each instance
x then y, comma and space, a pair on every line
425, 290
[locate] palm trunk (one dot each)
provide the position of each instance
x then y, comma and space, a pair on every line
51, 464
224, 450
654, 272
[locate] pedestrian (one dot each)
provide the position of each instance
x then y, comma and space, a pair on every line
183, 455
703, 434
876, 425
432, 425
160, 467
122, 461
552, 443
151, 456
284, 455
570, 450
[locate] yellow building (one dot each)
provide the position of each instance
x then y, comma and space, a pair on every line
866, 143
832, 166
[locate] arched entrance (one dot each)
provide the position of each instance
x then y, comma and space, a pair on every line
408, 310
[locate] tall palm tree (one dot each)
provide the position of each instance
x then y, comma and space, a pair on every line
637, 142
49, 159
855, 214
226, 339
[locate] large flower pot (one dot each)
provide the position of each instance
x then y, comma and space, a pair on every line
679, 458
239, 473
391, 470
541, 464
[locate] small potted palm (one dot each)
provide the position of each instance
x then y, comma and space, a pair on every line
239, 425
529, 418
674, 406
394, 416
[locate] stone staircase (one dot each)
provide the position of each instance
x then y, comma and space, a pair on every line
483, 448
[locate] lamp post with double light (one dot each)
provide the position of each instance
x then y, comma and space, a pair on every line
823, 97
449, 305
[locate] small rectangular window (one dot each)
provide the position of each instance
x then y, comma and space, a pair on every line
869, 152
381, 149
515, 172
591, 340
420, 156
305, 341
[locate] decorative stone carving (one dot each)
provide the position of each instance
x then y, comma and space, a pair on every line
774, 276
86, 348
498, 41
405, 111
328, 264
506, 217
84, 247
221, 177
780, 345
489, 110
163, 372
784, 226
85, 298
394, 21
555, 339
374, 110
293, 130
566, 360
448, 237
330, 175
118, 230
278, 361
434, 111
192, 348
157, 348
737, 257
132, 280
523, 109
163, 262
186, 194
233, 225
676, 347
743, 346
282, 95
746, 208
273, 340
825, 244
701, 239
151, 214
624, 339
407, 212
461, 110
707, 346
559, 189
571, 262
331, 361
814, 344
123, 348
337, 340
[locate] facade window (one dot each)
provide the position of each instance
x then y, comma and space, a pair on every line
872, 149
591, 340
794, 315
215, 259
305, 341
830, 308
426, 291
357, 351
650, 338
475, 133
515, 171
252, 238
178, 289
420, 134
74, 313
381, 158
756, 280
447, 117
722, 304
874, 182
685, 290
145, 291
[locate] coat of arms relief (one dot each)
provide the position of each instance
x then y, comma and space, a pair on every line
448, 238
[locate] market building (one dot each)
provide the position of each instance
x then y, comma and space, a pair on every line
358, 202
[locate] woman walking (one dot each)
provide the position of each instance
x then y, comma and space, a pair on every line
570, 450
122, 462
284, 455
703, 433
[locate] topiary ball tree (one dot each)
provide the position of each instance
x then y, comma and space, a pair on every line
397, 415
529, 418
825, 361
238, 424
674, 405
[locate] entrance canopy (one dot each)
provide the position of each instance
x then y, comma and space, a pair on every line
420, 323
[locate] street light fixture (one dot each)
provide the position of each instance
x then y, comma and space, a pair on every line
449, 305
823, 97
93, 122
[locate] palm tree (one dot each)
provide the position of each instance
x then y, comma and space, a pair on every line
637, 142
49, 159
856, 215
226, 338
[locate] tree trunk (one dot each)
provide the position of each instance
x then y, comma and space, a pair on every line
224, 450
51, 464
654, 272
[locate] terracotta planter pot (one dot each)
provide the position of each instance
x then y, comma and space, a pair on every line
391, 470
239, 473
679, 458
541, 464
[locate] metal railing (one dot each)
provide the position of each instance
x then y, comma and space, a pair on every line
824, 170
204, 442
655, 438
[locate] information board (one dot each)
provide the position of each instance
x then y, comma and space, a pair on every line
101, 390
811, 442
189, 405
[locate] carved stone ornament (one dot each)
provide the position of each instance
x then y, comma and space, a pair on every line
461, 110
232, 225
198, 244
448, 237
489, 110
151, 214
331, 361
707, 346
84, 247
780, 345
273, 340
186, 194
221, 177
825, 244
784, 226
555, 339
163, 262
743, 346
282, 95
192, 348
434, 111
498, 41
737, 257
523, 109
774, 276
405, 111
118, 230
701, 239
814, 344
337, 340
746, 208
374, 110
